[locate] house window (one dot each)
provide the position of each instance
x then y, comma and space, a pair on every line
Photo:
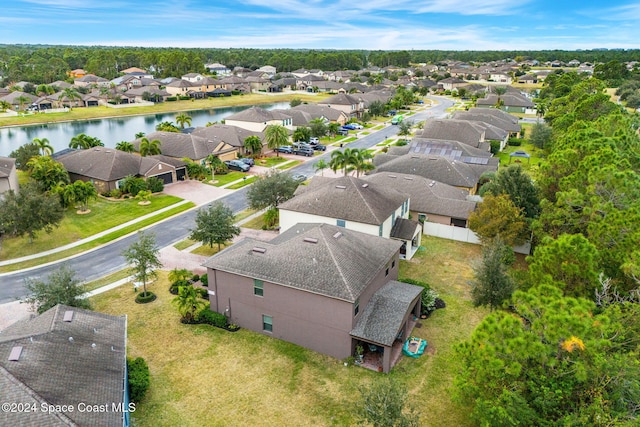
380, 230
356, 307
258, 287
267, 323
340, 223
393, 263
386, 273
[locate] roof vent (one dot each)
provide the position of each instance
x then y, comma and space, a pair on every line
15, 353
259, 250
408, 178
415, 157
337, 235
70, 339
310, 240
365, 185
342, 187
392, 176
68, 316
432, 183
93, 345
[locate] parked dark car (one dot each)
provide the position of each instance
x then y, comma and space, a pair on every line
320, 147
343, 131
303, 151
237, 165
247, 161
285, 149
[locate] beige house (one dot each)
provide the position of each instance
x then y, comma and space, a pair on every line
8, 175
352, 106
256, 119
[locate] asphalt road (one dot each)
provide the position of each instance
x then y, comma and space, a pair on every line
107, 259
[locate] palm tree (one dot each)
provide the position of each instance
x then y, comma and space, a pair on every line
333, 128
125, 146
79, 192
276, 136
84, 141
342, 160
188, 302
43, 144
167, 127
500, 90
139, 135
4, 105
179, 274
71, 94
253, 144
361, 161
149, 148
21, 101
183, 119
321, 165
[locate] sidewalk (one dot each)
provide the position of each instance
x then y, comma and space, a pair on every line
90, 238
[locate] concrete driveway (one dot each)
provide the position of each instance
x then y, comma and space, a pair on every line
195, 191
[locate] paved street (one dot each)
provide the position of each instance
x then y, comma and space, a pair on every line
107, 259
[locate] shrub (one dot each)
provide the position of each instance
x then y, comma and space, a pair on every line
195, 278
173, 289
171, 98
115, 193
429, 296
184, 98
155, 184
212, 318
203, 293
495, 147
204, 279
515, 142
138, 374
144, 298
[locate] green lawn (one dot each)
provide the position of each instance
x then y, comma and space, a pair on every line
243, 183
104, 214
290, 164
530, 165
222, 179
224, 377
269, 162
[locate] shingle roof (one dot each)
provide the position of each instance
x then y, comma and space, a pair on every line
383, 316
65, 363
510, 100
300, 118
404, 229
496, 112
457, 130
232, 135
318, 258
257, 115
340, 99
428, 196
318, 111
492, 119
436, 168
7, 164
440, 147
105, 164
180, 145
347, 198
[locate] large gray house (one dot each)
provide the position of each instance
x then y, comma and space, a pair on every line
320, 286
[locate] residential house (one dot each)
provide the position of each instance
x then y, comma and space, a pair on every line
457, 130
180, 87
193, 77
241, 71
319, 286
509, 102
269, 69
355, 204
19, 100
137, 72
257, 119
431, 201
331, 114
91, 80
529, 78
451, 83
8, 175
511, 124
69, 359
500, 77
77, 73
453, 150
441, 169
351, 105
106, 167
148, 93
195, 147
231, 136
235, 83
257, 84
218, 69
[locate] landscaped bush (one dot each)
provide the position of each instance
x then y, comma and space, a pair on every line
203, 293
144, 298
184, 98
172, 98
211, 317
495, 147
173, 289
138, 374
204, 279
195, 278
429, 297
515, 142
154, 184
134, 185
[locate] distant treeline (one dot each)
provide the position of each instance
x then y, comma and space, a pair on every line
45, 64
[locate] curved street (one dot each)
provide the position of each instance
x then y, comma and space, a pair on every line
106, 259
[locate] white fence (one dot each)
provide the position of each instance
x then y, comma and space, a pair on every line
463, 235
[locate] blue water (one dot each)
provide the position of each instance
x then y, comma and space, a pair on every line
111, 131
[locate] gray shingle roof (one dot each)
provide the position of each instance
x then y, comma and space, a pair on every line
232, 135
436, 168
58, 370
456, 130
492, 119
428, 196
313, 258
404, 229
439, 147
7, 165
257, 115
105, 164
510, 100
382, 318
318, 111
340, 99
180, 145
347, 198
496, 112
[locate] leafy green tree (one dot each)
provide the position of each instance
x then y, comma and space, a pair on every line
28, 212
541, 135
295, 102
321, 165
61, 287
498, 217
404, 128
195, 170
188, 303
271, 189
4, 105
167, 127
142, 256
253, 145
215, 225
276, 136
183, 119
342, 160
23, 154
492, 285
179, 274
125, 146
302, 133
215, 164
133, 185
551, 361
333, 128
79, 192
318, 127
83, 142
515, 183
43, 144
384, 403
47, 172
149, 148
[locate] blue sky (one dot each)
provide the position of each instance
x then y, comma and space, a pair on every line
328, 24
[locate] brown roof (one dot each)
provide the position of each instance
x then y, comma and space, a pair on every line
232, 135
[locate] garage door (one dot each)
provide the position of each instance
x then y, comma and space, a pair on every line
181, 174
165, 177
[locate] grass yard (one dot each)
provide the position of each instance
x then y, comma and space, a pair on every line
248, 180
222, 179
269, 162
255, 223
202, 375
104, 214
184, 244
290, 164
